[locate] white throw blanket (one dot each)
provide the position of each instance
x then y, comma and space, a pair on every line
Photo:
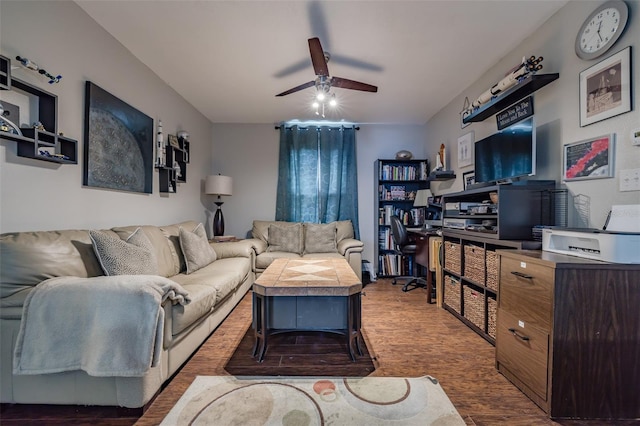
106, 326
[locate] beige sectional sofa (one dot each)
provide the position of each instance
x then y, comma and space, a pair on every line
276, 239
214, 289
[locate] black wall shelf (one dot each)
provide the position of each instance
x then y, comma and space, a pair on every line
527, 86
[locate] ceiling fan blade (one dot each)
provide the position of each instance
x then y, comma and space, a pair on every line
317, 57
344, 83
297, 88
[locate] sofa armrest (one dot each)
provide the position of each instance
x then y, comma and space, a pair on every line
350, 245
242, 248
258, 245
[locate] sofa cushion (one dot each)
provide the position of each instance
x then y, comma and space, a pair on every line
196, 249
264, 259
172, 232
286, 238
320, 238
223, 276
344, 230
163, 250
133, 256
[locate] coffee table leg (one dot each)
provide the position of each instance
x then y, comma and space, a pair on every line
353, 325
259, 331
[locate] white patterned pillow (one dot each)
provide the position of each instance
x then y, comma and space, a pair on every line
320, 238
133, 256
286, 238
196, 249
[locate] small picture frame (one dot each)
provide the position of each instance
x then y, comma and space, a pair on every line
173, 141
605, 88
589, 159
465, 150
468, 179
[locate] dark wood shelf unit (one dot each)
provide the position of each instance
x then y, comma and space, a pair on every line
528, 85
5, 73
169, 178
411, 175
33, 140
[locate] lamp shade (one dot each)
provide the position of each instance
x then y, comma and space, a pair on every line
422, 198
218, 185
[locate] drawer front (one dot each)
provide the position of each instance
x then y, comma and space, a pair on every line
524, 351
526, 290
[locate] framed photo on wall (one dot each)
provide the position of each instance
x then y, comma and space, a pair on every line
465, 150
468, 178
605, 88
589, 159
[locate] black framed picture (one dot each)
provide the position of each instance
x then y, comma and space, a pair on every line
468, 178
118, 143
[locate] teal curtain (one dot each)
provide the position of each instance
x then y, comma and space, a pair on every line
317, 180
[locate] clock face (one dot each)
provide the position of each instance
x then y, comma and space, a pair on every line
601, 30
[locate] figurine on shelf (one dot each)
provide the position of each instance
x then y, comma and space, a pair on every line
38, 125
440, 159
160, 147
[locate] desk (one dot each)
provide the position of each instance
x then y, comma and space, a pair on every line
422, 255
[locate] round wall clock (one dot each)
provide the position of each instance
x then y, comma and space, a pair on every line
601, 29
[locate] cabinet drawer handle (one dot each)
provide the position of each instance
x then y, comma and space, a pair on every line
518, 335
521, 275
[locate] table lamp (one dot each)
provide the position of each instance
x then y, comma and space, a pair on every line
218, 185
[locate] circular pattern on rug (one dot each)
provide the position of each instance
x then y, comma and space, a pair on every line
254, 404
387, 398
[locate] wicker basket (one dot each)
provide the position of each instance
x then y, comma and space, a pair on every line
452, 292
474, 307
474, 266
492, 270
452, 257
492, 307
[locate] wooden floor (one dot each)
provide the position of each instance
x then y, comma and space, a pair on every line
407, 336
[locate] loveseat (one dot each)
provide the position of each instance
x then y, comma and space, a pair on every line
207, 281
277, 239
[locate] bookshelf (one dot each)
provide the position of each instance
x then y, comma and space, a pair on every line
397, 182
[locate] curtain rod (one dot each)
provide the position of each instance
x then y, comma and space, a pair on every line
278, 127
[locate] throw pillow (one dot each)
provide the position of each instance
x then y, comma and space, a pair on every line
286, 238
320, 238
133, 256
196, 249
344, 229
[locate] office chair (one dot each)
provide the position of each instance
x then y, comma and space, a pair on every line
405, 247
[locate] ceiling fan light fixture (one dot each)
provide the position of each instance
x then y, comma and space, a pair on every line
320, 96
333, 102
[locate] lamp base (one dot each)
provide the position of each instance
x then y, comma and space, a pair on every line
218, 221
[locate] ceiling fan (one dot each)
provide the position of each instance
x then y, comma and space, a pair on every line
323, 81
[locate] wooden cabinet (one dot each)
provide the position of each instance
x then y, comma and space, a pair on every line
41, 144
569, 333
470, 278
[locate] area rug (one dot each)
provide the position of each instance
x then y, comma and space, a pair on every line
295, 401
301, 354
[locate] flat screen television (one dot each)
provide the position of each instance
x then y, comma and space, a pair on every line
508, 154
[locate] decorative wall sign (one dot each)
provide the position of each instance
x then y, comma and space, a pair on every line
173, 141
465, 150
118, 143
589, 159
515, 113
605, 88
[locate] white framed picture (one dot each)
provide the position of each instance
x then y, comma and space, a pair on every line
465, 150
605, 88
589, 159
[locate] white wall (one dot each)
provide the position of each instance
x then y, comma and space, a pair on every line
557, 114
249, 154
37, 195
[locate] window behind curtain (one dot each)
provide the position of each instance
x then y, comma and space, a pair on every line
317, 179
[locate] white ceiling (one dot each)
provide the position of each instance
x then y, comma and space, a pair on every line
230, 58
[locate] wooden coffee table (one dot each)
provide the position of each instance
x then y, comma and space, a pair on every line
307, 295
